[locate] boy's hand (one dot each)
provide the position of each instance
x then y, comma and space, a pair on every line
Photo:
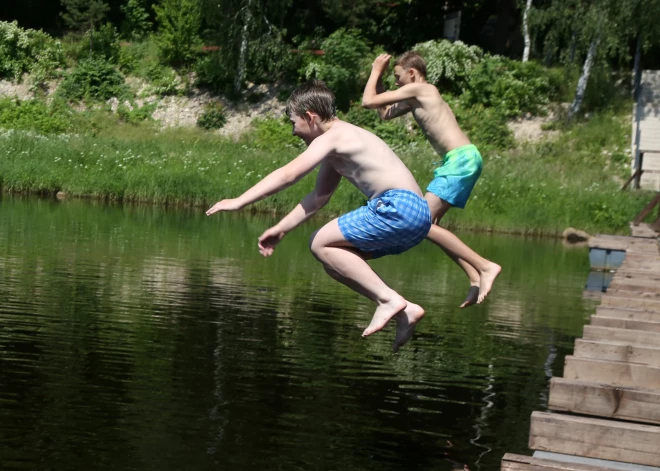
381, 63
269, 239
225, 205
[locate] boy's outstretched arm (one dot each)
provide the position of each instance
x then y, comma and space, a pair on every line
389, 104
326, 184
279, 179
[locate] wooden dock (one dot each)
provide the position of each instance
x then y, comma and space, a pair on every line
604, 413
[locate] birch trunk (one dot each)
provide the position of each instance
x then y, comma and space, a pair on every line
242, 55
584, 78
528, 6
637, 72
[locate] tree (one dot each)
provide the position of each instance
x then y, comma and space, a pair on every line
178, 34
528, 7
84, 15
136, 22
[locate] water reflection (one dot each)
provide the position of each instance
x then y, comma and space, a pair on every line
138, 338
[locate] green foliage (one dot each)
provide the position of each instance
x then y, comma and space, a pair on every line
211, 73
178, 32
136, 20
82, 15
103, 44
448, 65
270, 59
344, 67
28, 51
486, 127
511, 87
93, 80
213, 117
164, 81
34, 115
134, 113
272, 134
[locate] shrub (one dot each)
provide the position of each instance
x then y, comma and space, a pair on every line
102, 44
136, 20
448, 65
34, 115
163, 80
270, 59
28, 51
93, 79
213, 117
344, 66
512, 87
178, 37
272, 134
211, 73
135, 114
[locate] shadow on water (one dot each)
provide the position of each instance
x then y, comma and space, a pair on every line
140, 338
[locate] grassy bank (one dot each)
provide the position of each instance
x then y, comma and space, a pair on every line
572, 180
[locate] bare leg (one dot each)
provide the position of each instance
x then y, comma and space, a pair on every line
481, 272
406, 322
347, 265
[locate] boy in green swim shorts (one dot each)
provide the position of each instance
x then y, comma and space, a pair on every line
454, 180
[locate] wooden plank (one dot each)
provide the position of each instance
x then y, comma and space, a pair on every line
633, 314
617, 351
635, 293
633, 324
633, 337
512, 462
603, 400
615, 373
634, 285
595, 438
630, 303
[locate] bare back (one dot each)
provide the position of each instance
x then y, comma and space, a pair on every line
366, 161
436, 119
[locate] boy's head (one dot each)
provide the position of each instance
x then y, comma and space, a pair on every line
310, 104
409, 67
313, 96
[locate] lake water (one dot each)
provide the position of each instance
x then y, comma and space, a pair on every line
146, 338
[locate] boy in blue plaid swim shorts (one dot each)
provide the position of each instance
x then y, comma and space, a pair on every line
395, 219
461, 167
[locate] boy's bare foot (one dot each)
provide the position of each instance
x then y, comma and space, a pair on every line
384, 313
472, 296
487, 279
406, 322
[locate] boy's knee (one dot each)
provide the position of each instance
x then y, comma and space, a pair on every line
314, 245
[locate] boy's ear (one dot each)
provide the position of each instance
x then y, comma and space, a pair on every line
309, 116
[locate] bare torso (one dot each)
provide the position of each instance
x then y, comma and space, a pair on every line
437, 120
367, 162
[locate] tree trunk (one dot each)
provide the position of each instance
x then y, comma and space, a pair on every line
242, 55
584, 78
528, 6
637, 72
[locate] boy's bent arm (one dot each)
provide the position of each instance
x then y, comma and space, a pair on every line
389, 106
327, 181
281, 178
326, 184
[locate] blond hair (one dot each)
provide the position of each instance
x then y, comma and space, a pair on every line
412, 60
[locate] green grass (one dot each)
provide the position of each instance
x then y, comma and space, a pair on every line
543, 188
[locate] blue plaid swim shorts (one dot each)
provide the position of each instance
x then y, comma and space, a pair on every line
389, 224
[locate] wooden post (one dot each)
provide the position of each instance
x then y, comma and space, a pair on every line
647, 210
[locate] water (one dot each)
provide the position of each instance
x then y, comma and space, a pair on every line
144, 338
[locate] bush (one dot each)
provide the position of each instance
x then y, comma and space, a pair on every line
135, 114
270, 59
344, 66
178, 37
272, 134
511, 87
93, 79
136, 20
102, 44
34, 115
211, 73
164, 81
213, 117
28, 51
448, 65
